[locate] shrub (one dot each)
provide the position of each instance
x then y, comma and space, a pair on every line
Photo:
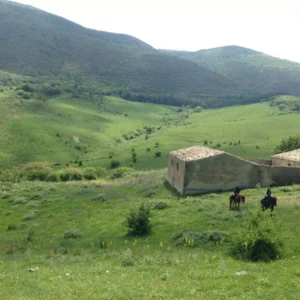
157, 154
26, 96
288, 144
7, 176
127, 260
71, 173
120, 172
114, 164
11, 227
160, 205
138, 221
53, 177
90, 173
30, 215
198, 109
100, 172
27, 88
73, 233
19, 201
33, 171
260, 241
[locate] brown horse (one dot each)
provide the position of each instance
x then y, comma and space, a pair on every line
235, 200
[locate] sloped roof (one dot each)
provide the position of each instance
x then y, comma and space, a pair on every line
195, 153
291, 155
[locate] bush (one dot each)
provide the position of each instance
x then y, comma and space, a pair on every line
138, 221
198, 109
120, 172
260, 241
90, 173
27, 88
19, 201
100, 172
157, 154
11, 227
53, 177
288, 144
71, 173
160, 205
26, 96
31, 215
73, 234
114, 164
33, 171
127, 260
7, 176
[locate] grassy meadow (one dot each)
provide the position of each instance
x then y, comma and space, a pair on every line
63, 130
106, 263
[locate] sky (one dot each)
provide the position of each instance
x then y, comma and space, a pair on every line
269, 26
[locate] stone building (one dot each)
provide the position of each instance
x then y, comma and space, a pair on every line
198, 169
287, 159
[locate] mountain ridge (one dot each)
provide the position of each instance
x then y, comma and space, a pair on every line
36, 43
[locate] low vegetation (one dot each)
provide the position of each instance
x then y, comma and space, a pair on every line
66, 236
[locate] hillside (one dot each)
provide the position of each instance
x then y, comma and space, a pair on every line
252, 71
37, 43
66, 128
47, 47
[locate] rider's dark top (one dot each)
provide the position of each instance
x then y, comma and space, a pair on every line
237, 190
268, 193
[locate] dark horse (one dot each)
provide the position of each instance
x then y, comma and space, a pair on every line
235, 200
268, 202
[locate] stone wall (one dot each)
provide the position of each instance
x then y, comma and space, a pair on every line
223, 172
176, 170
266, 162
284, 162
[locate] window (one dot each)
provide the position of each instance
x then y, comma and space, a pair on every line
177, 166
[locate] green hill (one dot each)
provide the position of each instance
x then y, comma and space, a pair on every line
254, 72
65, 130
47, 47
37, 43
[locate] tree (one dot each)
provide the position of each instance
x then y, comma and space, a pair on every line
138, 221
288, 144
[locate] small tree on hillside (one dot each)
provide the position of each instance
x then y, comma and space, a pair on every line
138, 221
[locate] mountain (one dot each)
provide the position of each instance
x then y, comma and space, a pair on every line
251, 70
44, 46
37, 43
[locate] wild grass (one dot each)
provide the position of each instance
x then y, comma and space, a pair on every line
89, 133
103, 262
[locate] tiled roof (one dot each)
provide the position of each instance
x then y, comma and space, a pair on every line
291, 155
195, 153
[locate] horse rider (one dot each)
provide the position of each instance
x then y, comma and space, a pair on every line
267, 196
268, 193
236, 191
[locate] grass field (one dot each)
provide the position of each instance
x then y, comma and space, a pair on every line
64, 131
99, 265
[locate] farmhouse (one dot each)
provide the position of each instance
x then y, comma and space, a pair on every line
288, 159
198, 169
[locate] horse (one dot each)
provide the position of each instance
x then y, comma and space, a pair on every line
235, 200
268, 202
